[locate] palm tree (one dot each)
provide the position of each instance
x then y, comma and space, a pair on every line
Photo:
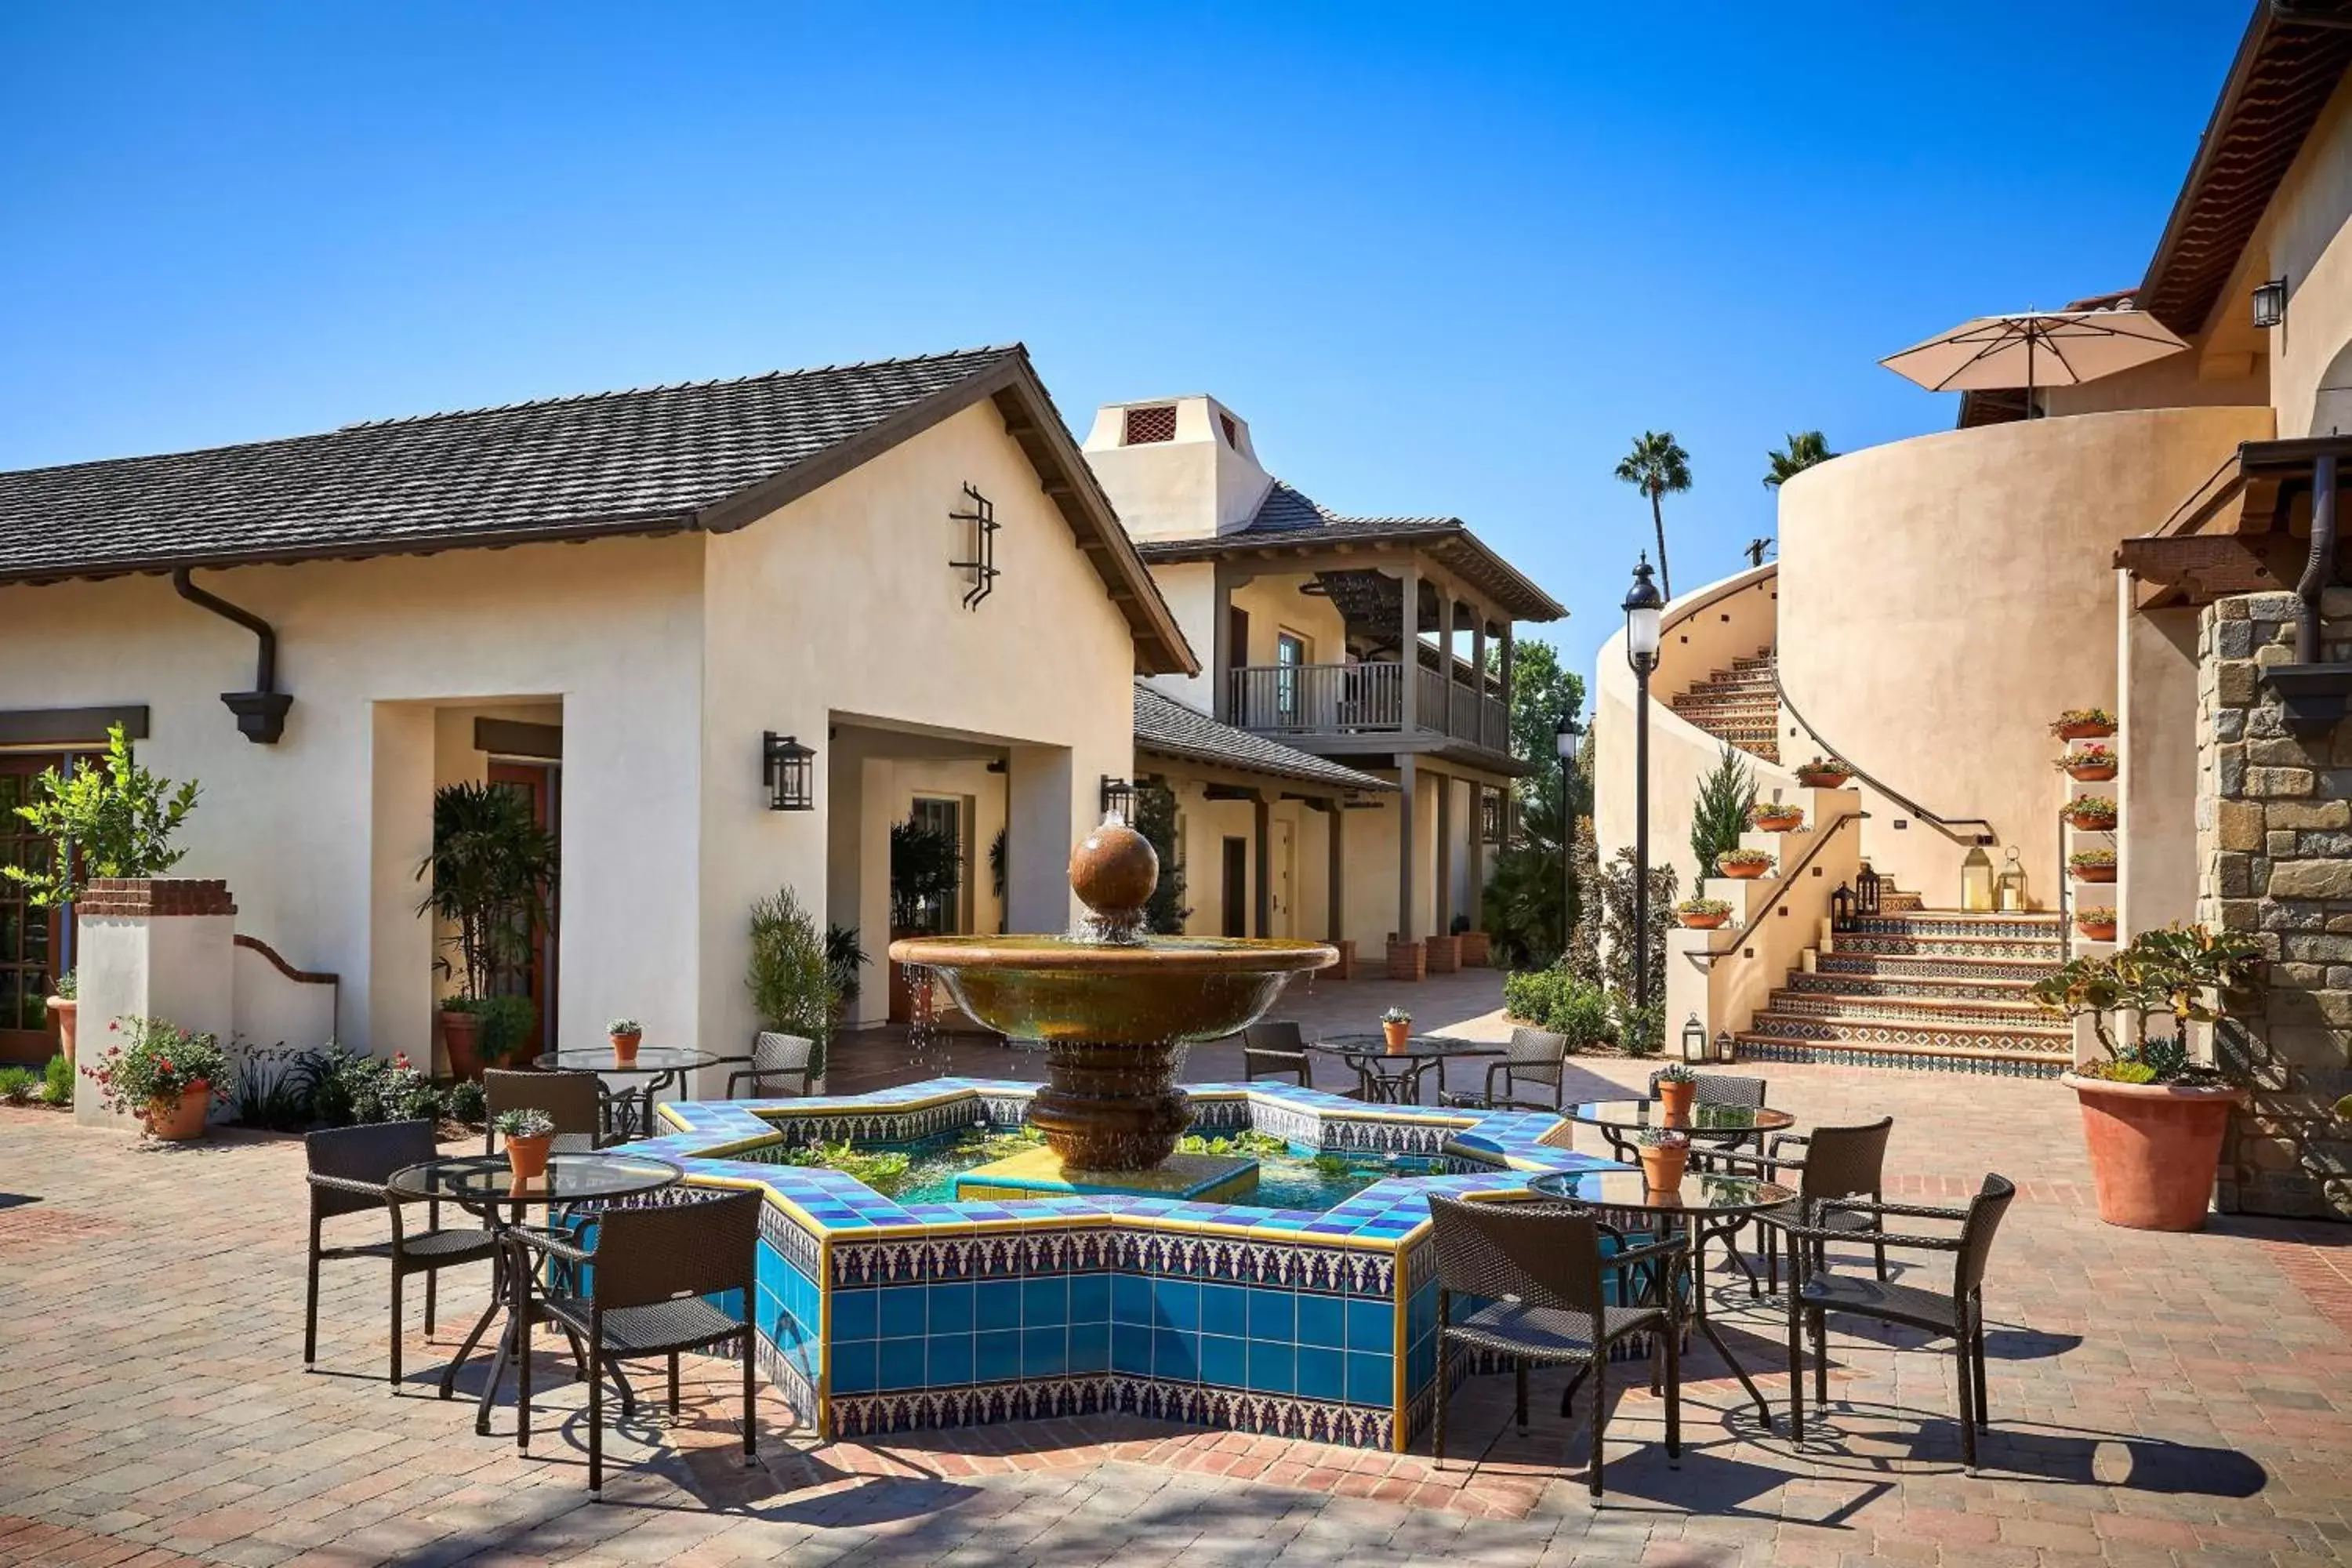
1805, 449
1658, 466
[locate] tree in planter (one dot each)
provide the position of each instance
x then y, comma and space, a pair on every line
844, 955
112, 819
925, 872
792, 988
1155, 819
1719, 814
491, 870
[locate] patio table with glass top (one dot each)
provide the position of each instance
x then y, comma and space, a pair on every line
1623, 1122
630, 1111
1391, 1075
1702, 1198
485, 1187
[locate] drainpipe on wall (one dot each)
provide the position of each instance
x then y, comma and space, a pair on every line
2313, 695
261, 713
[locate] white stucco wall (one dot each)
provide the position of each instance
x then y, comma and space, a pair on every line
2305, 236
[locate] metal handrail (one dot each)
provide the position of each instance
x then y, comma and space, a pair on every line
1944, 824
1788, 880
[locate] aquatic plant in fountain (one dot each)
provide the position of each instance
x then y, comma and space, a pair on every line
1116, 1007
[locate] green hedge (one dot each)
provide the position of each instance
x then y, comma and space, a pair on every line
1557, 1000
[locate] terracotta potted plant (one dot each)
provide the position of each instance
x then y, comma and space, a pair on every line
489, 872
2155, 1119
1396, 1027
529, 1134
1702, 914
2089, 762
1664, 1155
1774, 816
626, 1034
1745, 864
164, 1074
2092, 865
1824, 772
66, 1008
2083, 724
2091, 814
1677, 1088
2096, 923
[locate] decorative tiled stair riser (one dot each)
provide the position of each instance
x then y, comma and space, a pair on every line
1739, 706
877, 1316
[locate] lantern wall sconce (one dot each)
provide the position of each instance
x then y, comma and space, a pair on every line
2269, 303
787, 769
1695, 1041
1117, 798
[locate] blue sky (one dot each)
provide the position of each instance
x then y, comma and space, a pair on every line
1444, 259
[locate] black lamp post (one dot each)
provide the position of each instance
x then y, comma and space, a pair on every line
1563, 740
1643, 606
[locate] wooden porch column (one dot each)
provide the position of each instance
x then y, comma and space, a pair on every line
1445, 663
1510, 798
1220, 648
1478, 893
1335, 881
1407, 779
1478, 679
1409, 647
1443, 924
1262, 829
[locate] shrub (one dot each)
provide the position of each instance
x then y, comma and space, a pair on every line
17, 1085
468, 1104
1719, 813
160, 1063
115, 819
791, 989
276, 1088
508, 1024
58, 1082
357, 1090
1641, 1031
1555, 1000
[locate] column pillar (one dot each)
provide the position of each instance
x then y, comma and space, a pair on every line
160, 948
1445, 663
1409, 646
1262, 851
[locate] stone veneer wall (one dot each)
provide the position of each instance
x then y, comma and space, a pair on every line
2274, 859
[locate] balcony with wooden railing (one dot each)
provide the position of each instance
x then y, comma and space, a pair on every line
1307, 704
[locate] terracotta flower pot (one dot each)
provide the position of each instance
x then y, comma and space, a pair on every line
2091, 772
1675, 1097
1748, 871
2084, 731
2106, 873
1692, 921
2154, 1149
459, 1031
1662, 1167
2092, 822
1396, 1034
1779, 823
68, 1013
526, 1156
182, 1120
2096, 930
1812, 780
625, 1047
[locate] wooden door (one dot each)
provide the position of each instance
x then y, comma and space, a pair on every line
537, 782
1237, 887
32, 940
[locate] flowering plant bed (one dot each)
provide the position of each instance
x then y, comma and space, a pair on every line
2091, 813
164, 1073
1744, 863
2092, 865
2083, 724
1702, 914
1824, 772
2090, 763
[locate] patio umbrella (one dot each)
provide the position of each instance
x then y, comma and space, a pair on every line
2037, 348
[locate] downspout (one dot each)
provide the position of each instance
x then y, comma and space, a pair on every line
2321, 567
261, 713
2314, 696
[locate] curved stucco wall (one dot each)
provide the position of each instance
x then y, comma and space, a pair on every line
1942, 597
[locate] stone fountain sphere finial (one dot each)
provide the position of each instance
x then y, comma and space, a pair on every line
1114, 869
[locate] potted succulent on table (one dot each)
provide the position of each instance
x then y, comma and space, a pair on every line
1677, 1087
1743, 864
1702, 914
626, 1034
166, 1076
529, 1134
2083, 724
1824, 772
2153, 1117
1396, 1027
66, 1007
2091, 814
1776, 817
2092, 865
2096, 923
1664, 1155
2089, 762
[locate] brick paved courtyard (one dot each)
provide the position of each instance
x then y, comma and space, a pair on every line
2157, 1400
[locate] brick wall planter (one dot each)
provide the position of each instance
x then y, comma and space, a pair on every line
1475, 950
1346, 968
1443, 954
1407, 960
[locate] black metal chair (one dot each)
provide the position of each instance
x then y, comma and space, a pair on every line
1277, 1048
348, 1169
1957, 1316
777, 1067
1539, 1269
575, 1101
1838, 1162
1539, 1057
650, 1276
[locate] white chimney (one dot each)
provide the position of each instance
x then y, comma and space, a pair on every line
1177, 467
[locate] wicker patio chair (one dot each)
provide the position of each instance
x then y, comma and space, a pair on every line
651, 1277
348, 1169
1957, 1316
1723, 1088
1539, 1057
777, 1067
574, 1100
1838, 1162
1543, 1286
1277, 1048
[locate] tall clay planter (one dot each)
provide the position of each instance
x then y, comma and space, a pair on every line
459, 1032
2154, 1149
181, 1120
68, 1013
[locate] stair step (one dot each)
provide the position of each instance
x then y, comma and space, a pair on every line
2019, 951
1914, 988
1929, 966
1910, 1012
1910, 1036
1758, 1046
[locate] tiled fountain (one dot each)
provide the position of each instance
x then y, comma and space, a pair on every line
1102, 1270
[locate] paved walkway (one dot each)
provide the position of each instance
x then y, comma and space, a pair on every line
2159, 1399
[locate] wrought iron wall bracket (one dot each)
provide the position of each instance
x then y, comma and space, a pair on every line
980, 514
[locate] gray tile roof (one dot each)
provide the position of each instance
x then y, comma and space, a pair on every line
1287, 507
614, 462
1168, 727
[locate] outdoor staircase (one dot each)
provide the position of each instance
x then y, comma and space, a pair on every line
1936, 989
1739, 706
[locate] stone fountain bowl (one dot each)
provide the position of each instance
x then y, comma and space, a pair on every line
1160, 990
